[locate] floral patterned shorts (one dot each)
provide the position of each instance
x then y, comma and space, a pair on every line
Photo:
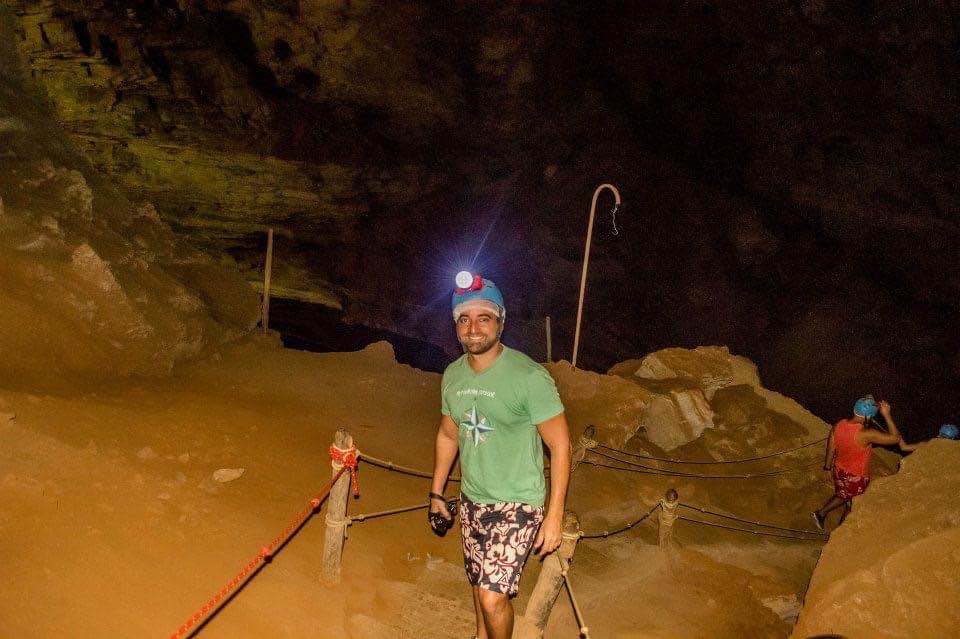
496, 541
848, 486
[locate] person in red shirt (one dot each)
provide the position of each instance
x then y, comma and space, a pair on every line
849, 449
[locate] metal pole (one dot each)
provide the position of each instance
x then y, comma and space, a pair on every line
578, 615
586, 262
266, 281
549, 342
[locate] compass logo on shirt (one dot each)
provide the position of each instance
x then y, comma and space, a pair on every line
476, 425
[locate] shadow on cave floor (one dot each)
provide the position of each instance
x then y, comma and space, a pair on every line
320, 329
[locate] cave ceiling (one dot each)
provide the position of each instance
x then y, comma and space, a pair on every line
789, 169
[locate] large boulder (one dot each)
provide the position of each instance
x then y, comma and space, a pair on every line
668, 414
615, 406
709, 367
676, 417
891, 569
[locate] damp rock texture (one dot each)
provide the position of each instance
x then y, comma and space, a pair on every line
777, 161
672, 397
93, 284
891, 569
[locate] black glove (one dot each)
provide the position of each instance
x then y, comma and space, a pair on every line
440, 524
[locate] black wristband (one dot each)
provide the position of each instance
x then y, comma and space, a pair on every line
434, 495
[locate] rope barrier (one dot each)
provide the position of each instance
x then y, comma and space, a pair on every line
384, 513
189, 628
680, 473
635, 467
564, 569
722, 461
617, 531
348, 457
406, 470
755, 523
752, 532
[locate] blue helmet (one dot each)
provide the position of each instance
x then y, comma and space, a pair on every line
866, 407
949, 431
479, 292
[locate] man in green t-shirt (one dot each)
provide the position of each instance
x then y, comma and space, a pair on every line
499, 408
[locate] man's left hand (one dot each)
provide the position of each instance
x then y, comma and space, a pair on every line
548, 537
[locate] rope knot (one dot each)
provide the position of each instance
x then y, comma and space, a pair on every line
348, 457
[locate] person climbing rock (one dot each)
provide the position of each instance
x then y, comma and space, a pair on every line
849, 449
498, 409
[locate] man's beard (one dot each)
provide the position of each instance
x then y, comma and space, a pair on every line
479, 347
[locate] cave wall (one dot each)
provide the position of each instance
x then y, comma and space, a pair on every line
788, 170
94, 285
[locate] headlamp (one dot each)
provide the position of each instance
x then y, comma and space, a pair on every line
467, 281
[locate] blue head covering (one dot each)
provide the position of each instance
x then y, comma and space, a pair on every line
865, 407
483, 291
949, 431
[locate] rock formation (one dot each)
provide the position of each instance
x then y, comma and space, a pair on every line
94, 284
891, 569
777, 162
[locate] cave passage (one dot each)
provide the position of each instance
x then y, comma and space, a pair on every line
321, 329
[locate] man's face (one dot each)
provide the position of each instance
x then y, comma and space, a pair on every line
478, 329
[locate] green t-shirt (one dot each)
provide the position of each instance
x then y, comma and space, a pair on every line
497, 412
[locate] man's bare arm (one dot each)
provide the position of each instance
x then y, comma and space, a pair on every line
877, 438
444, 453
908, 448
882, 439
556, 435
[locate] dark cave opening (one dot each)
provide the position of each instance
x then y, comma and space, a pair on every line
158, 62
321, 329
82, 30
109, 49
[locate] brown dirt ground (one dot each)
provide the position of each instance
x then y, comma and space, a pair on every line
112, 525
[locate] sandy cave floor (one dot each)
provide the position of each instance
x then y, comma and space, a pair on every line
112, 525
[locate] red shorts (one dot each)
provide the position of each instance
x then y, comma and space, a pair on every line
848, 486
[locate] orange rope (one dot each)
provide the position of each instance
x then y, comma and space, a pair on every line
348, 458
193, 623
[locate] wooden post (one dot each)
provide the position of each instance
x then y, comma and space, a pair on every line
666, 517
267, 270
549, 342
586, 442
548, 585
336, 518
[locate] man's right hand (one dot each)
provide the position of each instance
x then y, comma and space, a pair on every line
439, 506
439, 516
